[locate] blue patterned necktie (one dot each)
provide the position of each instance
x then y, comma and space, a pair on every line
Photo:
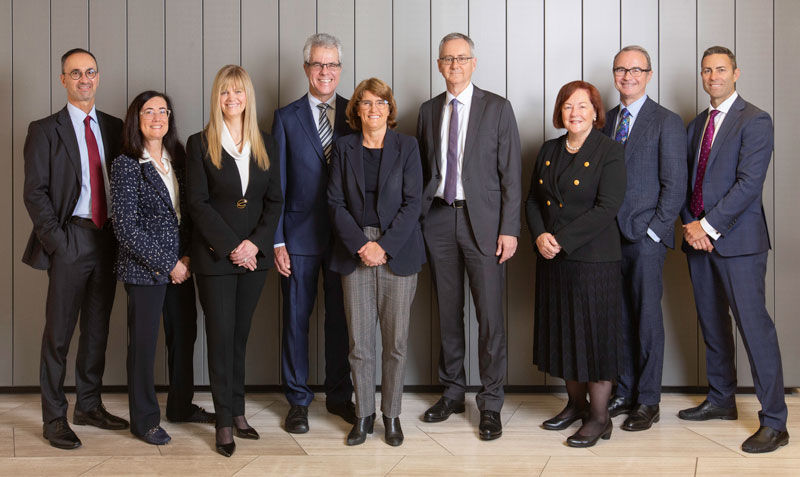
623, 126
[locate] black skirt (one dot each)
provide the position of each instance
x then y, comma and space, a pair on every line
577, 333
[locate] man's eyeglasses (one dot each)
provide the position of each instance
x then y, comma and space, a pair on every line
461, 60
635, 71
317, 66
76, 74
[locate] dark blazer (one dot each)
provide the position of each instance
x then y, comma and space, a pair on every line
399, 203
734, 178
580, 207
491, 168
151, 241
655, 160
53, 179
215, 197
304, 225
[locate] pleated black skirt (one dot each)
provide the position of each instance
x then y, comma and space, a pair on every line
576, 332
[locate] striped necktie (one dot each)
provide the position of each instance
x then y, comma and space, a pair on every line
325, 130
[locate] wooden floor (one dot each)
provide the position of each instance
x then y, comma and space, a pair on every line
452, 447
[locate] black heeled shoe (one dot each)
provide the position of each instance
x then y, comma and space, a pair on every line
579, 440
226, 450
558, 424
393, 433
247, 433
362, 427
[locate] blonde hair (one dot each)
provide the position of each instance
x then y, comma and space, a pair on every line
234, 75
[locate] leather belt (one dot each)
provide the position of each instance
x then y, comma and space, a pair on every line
457, 204
83, 222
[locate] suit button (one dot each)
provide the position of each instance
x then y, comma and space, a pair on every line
586, 164
211, 248
546, 163
158, 273
560, 205
576, 182
548, 203
540, 181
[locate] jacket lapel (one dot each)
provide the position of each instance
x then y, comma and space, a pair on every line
356, 162
67, 134
306, 118
475, 115
640, 126
611, 119
391, 152
152, 176
107, 136
437, 107
340, 127
728, 123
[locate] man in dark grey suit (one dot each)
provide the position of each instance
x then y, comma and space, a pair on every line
67, 159
655, 160
726, 243
470, 151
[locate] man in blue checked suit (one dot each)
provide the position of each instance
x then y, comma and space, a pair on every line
655, 160
726, 243
304, 132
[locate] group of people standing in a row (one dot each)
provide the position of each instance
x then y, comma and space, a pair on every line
334, 189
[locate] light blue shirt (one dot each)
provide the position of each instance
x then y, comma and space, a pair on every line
634, 109
84, 206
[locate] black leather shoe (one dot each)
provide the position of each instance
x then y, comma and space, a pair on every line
442, 410
60, 435
226, 450
393, 433
641, 418
706, 411
297, 420
362, 427
98, 417
156, 436
619, 405
556, 424
580, 440
490, 427
344, 409
246, 433
198, 415
766, 439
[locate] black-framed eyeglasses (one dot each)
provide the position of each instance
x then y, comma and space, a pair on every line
380, 104
151, 113
317, 66
635, 71
91, 73
461, 60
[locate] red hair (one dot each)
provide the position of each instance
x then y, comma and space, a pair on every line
594, 96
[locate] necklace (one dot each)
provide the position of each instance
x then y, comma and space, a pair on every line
571, 148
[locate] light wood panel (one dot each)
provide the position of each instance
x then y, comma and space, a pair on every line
7, 262
639, 26
601, 41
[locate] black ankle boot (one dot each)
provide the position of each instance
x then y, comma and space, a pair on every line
393, 431
362, 427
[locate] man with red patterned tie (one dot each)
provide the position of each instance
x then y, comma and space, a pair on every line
67, 159
726, 244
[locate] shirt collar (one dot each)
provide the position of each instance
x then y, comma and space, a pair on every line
635, 106
725, 105
465, 97
146, 157
77, 115
313, 101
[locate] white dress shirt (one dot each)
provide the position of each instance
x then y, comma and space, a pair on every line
464, 104
169, 178
331, 111
84, 206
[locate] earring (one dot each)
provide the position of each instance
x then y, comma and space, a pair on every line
595, 118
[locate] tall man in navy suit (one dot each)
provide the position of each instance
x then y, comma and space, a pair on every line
304, 132
655, 160
726, 244
67, 159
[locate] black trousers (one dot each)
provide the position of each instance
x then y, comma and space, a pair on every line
452, 249
82, 283
228, 303
145, 305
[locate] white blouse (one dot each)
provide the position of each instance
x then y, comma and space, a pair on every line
242, 158
169, 178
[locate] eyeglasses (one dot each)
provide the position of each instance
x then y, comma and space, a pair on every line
461, 60
380, 104
76, 74
151, 113
317, 66
635, 71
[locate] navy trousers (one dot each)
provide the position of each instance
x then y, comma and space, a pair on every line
738, 282
642, 321
299, 293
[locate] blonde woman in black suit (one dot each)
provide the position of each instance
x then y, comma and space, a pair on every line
235, 200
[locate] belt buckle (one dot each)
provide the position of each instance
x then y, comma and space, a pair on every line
241, 203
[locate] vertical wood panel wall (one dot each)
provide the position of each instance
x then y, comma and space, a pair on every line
526, 50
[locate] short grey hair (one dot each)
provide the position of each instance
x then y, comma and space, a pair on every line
457, 36
323, 40
638, 48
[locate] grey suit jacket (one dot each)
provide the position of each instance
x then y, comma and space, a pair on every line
655, 160
491, 169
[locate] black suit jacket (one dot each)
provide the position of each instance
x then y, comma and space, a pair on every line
399, 203
53, 179
220, 217
579, 208
491, 171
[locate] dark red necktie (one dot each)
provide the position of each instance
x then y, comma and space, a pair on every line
696, 206
99, 213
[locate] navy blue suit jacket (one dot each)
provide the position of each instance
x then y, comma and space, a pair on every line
304, 225
399, 203
150, 238
734, 179
655, 161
